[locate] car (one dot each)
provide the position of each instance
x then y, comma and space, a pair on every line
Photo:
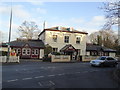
104, 61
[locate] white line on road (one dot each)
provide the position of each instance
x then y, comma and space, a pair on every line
12, 80
52, 82
40, 84
77, 72
39, 77
51, 75
61, 74
26, 78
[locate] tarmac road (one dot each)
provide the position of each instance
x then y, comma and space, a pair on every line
31, 74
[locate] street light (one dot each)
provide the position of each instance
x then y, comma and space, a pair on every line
8, 54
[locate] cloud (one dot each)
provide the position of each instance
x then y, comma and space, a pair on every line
97, 21
77, 20
41, 10
36, 2
18, 11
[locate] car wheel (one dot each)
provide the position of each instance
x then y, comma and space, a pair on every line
101, 65
92, 65
114, 65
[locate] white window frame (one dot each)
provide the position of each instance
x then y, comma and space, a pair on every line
35, 51
66, 39
19, 50
56, 50
78, 38
54, 38
25, 51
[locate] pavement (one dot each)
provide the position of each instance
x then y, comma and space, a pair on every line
36, 74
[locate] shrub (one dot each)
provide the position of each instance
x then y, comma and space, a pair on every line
3, 53
46, 58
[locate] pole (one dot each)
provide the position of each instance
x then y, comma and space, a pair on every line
44, 25
119, 23
8, 55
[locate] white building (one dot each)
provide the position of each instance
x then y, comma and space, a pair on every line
66, 40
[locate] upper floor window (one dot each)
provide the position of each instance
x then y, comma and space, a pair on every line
66, 39
77, 40
55, 38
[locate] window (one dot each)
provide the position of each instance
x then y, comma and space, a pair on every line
18, 51
35, 52
54, 49
66, 39
26, 51
77, 40
55, 38
110, 58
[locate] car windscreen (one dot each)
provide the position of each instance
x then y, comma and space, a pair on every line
101, 58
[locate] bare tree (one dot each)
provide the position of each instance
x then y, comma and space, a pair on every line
112, 10
28, 30
106, 38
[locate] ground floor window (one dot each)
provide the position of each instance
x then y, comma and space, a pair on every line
54, 49
26, 51
35, 52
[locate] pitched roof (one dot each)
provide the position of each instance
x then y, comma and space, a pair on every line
68, 47
91, 47
62, 29
32, 43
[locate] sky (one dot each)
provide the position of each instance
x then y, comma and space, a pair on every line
82, 16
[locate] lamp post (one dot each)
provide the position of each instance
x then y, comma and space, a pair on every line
8, 54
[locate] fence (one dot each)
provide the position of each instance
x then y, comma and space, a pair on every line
11, 59
89, 58
60, 58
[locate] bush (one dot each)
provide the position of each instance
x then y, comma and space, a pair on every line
3, 53
46, 58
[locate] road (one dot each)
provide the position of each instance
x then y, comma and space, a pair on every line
57, 75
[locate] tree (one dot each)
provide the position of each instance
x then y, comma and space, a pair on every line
106, 38
112, 10
28, 30
48, 49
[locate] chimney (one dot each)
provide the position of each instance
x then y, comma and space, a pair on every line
70, 29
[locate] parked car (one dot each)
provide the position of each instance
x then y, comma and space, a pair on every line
104, 61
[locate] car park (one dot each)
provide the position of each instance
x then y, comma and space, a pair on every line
104, 61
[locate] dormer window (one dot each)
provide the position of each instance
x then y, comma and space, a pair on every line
54, 38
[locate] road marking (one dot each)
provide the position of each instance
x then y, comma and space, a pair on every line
40, 84
52, 82
26, 78
12, 80
61, 74
39, 77
51, 75
77, 72
16, 70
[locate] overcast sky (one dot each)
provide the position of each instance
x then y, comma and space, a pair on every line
83, 16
